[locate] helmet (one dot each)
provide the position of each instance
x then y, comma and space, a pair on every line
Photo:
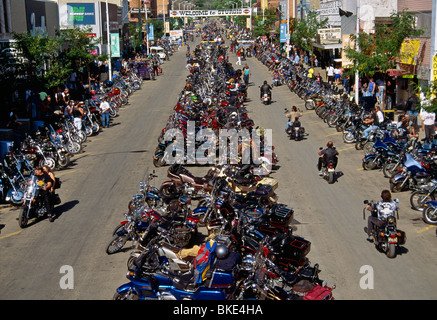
221, 251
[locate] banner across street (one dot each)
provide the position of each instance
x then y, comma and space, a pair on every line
210, 13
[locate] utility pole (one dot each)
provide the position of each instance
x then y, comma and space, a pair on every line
357, 48
109, 41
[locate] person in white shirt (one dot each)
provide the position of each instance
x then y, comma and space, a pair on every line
379, 114
337, 76
104, 111
428, 124
330, 74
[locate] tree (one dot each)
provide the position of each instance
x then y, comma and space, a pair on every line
379, 51
39, 54
305, 30
262, 27
77, 52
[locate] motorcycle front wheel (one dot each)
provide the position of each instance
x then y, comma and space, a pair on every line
419, 198
389, 168
116, 244
50, 162
125, 296
74, 147
64, 161
369, 165
23, 217
430, 215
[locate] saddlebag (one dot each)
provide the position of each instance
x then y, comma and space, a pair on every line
319, 293
281, 216
403, 238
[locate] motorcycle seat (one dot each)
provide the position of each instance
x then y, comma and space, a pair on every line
198, 180
185, 282
168, 246
422, 174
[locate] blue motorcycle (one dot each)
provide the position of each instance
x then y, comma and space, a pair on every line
412, 175
208, 280
380, 155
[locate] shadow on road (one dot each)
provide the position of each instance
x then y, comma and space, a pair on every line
65, 207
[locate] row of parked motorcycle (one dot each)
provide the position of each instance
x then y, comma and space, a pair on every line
210, 101
248, 250
407, 163
53, 145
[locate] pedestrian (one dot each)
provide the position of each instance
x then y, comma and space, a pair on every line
337, 76
389, 95
330, 74
428, 124
77, 115
238, 58
381, 90
104, 111
246, 74
68, 110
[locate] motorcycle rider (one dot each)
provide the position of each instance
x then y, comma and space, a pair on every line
45, 182
275, 74
374, 120
265, 88
292, 115
380, 210
326, 155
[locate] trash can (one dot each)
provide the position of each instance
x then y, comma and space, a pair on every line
389, 114
4, 148
36, 125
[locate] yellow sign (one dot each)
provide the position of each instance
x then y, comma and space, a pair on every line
409, 51
434, 69
264, 4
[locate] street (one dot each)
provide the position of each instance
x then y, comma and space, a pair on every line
96, 190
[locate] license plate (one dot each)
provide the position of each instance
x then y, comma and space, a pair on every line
330, 170
393, 240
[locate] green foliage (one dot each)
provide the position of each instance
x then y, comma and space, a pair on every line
378, 52
260, 27
305, 30
46, 63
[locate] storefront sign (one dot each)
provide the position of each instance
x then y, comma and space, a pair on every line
81, 14
327, 36
409, 51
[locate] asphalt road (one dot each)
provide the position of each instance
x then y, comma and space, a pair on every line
97, 188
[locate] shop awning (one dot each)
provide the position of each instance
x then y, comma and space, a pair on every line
327, 46
397, 72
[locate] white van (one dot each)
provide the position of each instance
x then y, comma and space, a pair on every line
160, 51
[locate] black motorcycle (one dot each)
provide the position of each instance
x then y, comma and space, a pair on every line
387, 237
33, 203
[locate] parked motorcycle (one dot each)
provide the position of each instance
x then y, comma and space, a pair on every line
430, 212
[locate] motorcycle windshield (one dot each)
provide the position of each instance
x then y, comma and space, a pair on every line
412, 163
